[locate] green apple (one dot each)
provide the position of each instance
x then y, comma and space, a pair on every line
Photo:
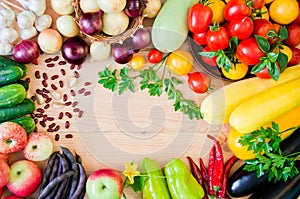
104, 184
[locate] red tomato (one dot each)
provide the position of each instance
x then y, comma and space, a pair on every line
297, 20
293, 35
207, 60
264, 73
258, 4
262, 27
200, 38
295, 56
199, 82
236, 7
199, 18
217, 39
241, 27
248, 51
154, 56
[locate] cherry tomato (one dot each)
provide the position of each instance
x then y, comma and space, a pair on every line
137, 62
217, 39
293, 38
180, 62
262, 13
248, 51
297, 20
264, 73
154, 56
199, 18
237, 71
236, 7
200, 38
295, 56
217, 7
241, 27
199, 82
258, 4
284, 11
262, 27
209, 61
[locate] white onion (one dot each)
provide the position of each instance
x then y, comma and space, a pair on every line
152, 8
115, 23
62, 7
112, 6
89, 6
100, 51
50, 41
67, 26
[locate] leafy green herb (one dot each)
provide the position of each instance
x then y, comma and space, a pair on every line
265, 143
153, 82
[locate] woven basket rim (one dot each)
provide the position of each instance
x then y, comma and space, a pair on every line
134, 25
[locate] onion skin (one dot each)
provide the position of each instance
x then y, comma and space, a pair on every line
75, 50
90, 23
26, 52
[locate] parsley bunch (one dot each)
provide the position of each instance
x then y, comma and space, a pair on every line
153, 82
265, 143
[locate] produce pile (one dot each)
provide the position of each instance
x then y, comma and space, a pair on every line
239, 37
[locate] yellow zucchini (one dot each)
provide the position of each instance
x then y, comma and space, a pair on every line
265, 107
217, 107
286, 121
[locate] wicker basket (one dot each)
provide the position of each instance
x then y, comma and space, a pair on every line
134, 25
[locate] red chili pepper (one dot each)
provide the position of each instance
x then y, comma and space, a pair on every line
218, 170
228, 166
203, 170
195, 171
211, 164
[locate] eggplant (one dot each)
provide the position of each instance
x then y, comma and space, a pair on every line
280, 190
242, 183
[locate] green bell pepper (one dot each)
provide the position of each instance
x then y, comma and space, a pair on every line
155, 185
181, 182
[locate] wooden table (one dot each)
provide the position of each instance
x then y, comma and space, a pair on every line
115, 129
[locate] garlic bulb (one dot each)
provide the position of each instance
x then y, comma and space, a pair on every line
8, 35
28, 33
6, 49
26, 19
43, 22
7, 17
38, 7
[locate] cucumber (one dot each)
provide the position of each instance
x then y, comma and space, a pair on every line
19, 110
26, 122
23, 83
10, 74
170, 30
11, 94
6, 62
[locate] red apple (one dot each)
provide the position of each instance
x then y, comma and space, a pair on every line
13, 137
4, 174
12, 197
39, 147
104, 183
25, 177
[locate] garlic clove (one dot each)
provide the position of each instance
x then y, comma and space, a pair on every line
43, 22
28, 33
8, 35
26, 19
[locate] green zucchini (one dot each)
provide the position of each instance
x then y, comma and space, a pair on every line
26, 122
19, 110
170, 30
10, 74
11, 94
6, 62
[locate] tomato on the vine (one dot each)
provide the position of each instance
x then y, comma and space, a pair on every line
237, 71
199, 82
199, 18
249, 52
262, 27
236, 7
293, 38
154, 56
284, 11
209, 61
240, 27
217, 38
200, 38
180, 62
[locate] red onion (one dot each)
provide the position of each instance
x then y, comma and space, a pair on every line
141, 38
134, 8
75, 50
90, 23
26, 52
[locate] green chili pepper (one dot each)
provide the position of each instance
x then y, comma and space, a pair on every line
181, 182
155, 185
